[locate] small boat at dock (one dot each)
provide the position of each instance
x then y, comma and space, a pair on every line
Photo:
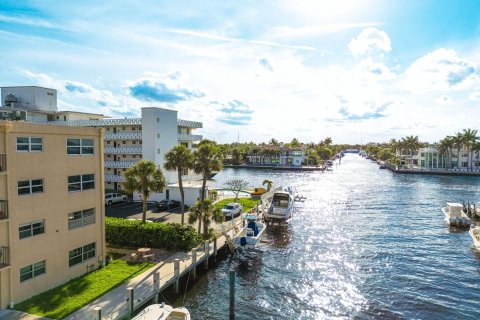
475, 234
251, 235
281, 207
454, 215
163, 312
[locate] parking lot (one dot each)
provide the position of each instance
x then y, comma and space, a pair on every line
133, 210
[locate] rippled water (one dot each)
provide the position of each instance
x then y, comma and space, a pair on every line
366, 244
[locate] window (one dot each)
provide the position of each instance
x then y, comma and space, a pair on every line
33, 270
134, 142
124, 142
81, 218
79, 146
133, 128
158, 119
124, 156
29, 144
81, 254
158, 135
81, 182
134, 156
30, 186
158, 151
123, 128
108, 129
108, 142
31, 229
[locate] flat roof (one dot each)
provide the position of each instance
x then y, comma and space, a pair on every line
27, 87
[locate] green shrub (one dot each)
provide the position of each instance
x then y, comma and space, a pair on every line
133, 233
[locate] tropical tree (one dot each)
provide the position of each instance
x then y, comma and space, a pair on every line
236, 186
236, 154
328, 141
458, 142
269, 184
469, 139
445, 148
179, 158
274, 142
295, 143
204, 211
144, 177
476, 149
411, 145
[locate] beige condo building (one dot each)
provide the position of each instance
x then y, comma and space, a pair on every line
51, 206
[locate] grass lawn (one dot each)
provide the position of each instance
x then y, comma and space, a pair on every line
247, 203
61, 301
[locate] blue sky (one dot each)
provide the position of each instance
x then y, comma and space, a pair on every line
353, 70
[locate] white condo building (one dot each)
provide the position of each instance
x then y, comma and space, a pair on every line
126, 141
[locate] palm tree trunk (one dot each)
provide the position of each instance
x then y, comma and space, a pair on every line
144, 209
182, 195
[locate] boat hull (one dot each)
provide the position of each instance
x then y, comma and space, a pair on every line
249, 242
456, 221
475, 234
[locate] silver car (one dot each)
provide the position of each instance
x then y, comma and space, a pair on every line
232, 209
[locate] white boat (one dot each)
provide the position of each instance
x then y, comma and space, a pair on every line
454, 215
163, 312
475, 234
250, 236
281, 206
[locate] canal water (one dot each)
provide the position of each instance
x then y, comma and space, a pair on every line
366, 244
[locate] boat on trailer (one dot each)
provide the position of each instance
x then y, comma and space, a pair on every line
475, 234
163, 312
454, 215
250, 236
281, 206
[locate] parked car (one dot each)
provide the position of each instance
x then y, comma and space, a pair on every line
167, 204
111, 198
232, 209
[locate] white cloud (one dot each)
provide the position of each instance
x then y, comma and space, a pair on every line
474, 96
443, 99
370, 40
441, 69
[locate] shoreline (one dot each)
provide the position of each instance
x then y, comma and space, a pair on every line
275, 167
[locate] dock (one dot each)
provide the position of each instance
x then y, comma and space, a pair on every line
432, 171
123, 301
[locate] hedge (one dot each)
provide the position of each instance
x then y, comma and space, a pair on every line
134, 233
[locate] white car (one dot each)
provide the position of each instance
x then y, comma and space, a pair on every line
111, 198
232, 209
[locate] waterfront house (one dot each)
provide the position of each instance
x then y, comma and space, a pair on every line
276, 156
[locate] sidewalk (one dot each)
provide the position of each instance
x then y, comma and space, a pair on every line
18, 315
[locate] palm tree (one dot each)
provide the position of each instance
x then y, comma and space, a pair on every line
469, 139
458, 141
411, 144
179, 158
328, 141
269, 184
144, 177
445, 148
205, 211
294, 143
476, 149
274, 142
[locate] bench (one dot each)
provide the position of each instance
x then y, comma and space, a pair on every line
148, 257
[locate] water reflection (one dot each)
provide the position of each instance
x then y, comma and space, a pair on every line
365, 244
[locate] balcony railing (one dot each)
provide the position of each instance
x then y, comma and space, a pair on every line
189, 124
4, 258
3, 162
124, 136
189, 137
119, 164
3, 209
123, 150
114, 178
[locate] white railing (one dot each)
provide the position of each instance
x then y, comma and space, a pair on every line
81, 222
123, 136
119, 164
189, 137
188, 123
114, 178
123, 150
101, 123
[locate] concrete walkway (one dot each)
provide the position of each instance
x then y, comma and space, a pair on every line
114, 303
18, 315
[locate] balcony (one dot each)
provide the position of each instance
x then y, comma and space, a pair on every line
123, 136
123, 150
189, 124
114, 178
189, 137
3, 162
119, 164
3, 210
4, 258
